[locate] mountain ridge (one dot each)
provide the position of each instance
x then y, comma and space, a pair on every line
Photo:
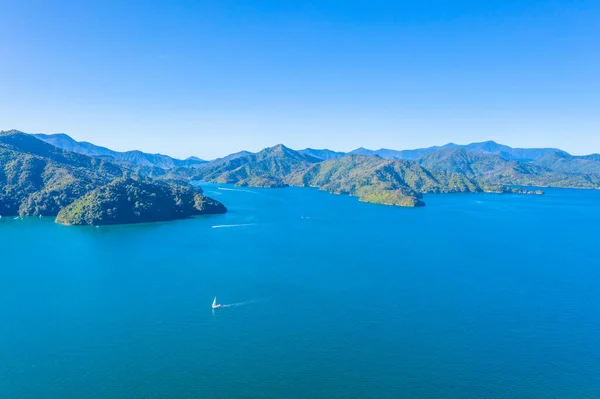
133, 157
494, 169
486, 147
371, 178
64, 141
375, 176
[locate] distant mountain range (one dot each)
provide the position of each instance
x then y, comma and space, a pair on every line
139, 158
371, 177
486, 147
382, 176
127, 158
379, 176
494, 169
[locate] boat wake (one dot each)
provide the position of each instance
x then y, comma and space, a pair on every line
216, 305
237, 189
231, 305
222, 226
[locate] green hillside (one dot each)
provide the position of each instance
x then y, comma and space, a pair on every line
374, 179
133, 201
369, 177
562, 162
271, 167
490, 169
37, 178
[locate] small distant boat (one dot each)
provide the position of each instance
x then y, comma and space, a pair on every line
215, 305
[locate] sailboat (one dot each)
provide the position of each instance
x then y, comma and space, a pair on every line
215, 305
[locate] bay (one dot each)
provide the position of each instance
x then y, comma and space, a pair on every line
472, 296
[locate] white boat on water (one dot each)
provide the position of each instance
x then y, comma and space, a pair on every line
215, 305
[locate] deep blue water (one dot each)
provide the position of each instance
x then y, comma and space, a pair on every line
474, 296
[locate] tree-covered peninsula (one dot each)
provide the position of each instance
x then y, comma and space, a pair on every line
39, 179
134, 201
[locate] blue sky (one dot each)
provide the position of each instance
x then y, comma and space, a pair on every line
208, 78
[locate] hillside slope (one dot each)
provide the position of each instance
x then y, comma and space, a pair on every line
131, 201
271, 167
495, 170
37, 178
374, 179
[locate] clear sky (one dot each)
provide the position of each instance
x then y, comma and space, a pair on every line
210, 77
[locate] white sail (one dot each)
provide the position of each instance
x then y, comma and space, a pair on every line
214, 303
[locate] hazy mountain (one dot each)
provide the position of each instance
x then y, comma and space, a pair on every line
410, 155
66, 142
363, 151
517, 154
486, 147
563, 162
413, 155
126, 158
322, 154
229, 157
592, 157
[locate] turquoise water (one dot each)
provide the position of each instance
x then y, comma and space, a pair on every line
473, 296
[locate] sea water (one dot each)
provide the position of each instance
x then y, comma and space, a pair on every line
473, 296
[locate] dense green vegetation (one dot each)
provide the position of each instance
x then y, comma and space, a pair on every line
271, 167
37, 178
374, 179
490, 169
134, 201
399, 182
